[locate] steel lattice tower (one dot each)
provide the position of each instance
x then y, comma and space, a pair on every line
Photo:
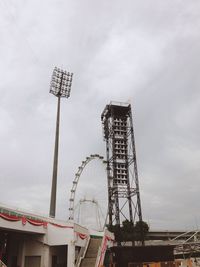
123, 186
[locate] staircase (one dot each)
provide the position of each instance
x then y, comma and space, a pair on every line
91, 254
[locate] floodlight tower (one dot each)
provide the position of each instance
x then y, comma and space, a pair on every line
123, 185
60, 87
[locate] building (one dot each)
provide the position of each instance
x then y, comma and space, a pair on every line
28, 240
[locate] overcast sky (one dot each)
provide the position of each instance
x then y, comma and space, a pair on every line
143, 51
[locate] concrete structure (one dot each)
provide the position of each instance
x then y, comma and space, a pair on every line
27, 240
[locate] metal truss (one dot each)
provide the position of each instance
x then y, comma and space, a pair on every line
123, 185
187, 244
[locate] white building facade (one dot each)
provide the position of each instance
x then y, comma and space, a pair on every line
27, 240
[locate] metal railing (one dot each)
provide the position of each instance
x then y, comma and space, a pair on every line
82, 253
102, 248
99, 255
2, 264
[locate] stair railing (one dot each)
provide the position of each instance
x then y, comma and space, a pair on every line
2, 264
102, 248
82, 253
99, 254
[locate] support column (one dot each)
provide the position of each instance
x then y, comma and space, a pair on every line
21, 254
55, 165
71, 254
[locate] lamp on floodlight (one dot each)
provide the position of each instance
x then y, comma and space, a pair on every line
61, 83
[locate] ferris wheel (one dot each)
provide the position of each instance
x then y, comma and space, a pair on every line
76, 181
87, 205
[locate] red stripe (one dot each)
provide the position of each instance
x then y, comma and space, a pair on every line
12, 218
24, 219
61, 226
82, 236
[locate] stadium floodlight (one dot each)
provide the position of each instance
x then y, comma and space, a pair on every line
61, 83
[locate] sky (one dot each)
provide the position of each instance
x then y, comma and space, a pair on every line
146, 52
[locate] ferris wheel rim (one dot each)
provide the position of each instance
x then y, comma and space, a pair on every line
76, 180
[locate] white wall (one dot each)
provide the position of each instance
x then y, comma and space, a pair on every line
36, 248
58, 236
20, 227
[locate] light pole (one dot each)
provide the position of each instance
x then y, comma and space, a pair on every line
60, 87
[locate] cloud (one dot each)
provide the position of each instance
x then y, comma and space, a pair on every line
144, 52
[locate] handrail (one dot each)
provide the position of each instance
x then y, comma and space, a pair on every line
82, 253
99, 254
101, 251
102, 248
2, 264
